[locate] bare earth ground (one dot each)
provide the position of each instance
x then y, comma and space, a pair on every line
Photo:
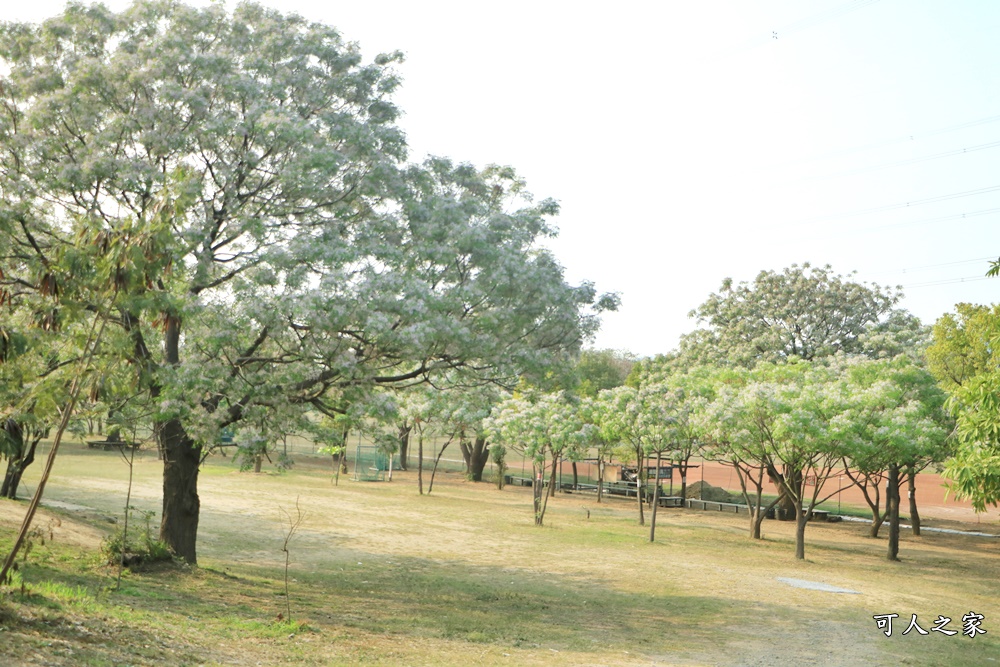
382, 575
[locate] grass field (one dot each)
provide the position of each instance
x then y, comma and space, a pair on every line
380, 575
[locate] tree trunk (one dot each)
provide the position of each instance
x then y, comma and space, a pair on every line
869, 484
181, 459
404, 445
420, 460
682, 468
478, 457
878, 516
638, 485
892, 500
463, 446
340, 458
338, 464
600, 478
537, 476
19, 458
12, 478
756, 519
800, 532
552, 478
757, 516
786, 508
756, 511
258, 462
656, 500
437, 459
787, 504
911, 492
501, 474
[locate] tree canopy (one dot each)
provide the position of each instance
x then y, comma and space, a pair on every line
803, 311
963, 357
602, 369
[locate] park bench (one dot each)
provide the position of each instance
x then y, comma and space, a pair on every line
108, 445
715, 506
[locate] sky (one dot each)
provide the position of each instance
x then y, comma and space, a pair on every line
688, 142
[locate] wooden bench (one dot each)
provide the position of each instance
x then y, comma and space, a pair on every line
108, 445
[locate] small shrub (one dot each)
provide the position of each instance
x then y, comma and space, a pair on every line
140, 546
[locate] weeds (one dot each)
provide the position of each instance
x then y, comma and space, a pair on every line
133, 550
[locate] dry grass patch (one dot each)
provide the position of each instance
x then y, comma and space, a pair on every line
384, 576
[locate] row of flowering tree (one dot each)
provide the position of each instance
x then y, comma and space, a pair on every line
807, 375
796, 425
800, 424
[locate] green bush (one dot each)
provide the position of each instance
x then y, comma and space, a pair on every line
140, 546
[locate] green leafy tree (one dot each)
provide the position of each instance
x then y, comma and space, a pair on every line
661, 407
778, 419
296, 256
961, 347
692, 393
736, 429
963, 357
894, 424
73, 292
602, 436
463, 410
602, 369
543, 428
498, 454
643, 420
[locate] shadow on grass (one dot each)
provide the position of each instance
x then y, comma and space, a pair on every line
412, 597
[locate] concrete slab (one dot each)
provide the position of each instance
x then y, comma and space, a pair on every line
815, 586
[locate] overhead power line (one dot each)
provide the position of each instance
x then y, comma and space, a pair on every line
901, 163
940, 218
890, 141
948, 281
908, 204
926, 267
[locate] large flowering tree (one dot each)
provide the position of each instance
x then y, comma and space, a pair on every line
804, 312
300, 258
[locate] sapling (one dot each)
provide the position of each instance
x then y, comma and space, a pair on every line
293, 526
